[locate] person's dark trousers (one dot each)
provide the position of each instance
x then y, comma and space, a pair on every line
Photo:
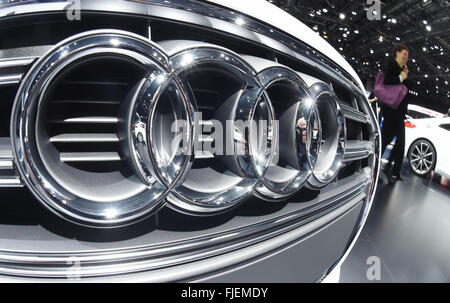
394, 126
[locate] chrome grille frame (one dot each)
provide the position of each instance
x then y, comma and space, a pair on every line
201, 14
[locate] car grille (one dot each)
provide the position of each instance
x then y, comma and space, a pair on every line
82, 144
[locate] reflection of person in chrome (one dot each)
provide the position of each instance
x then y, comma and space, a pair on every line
301, 133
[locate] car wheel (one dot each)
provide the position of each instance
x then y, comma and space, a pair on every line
140, 138
422, 157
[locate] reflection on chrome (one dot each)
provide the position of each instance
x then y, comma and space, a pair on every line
332, 136
265, 132
294, 108
73, 193
220, 180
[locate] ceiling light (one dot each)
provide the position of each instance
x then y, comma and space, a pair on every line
428, 28
425, 22
342, 16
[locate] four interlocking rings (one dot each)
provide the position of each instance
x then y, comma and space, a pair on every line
280, 134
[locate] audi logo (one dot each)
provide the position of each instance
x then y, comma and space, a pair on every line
202, 130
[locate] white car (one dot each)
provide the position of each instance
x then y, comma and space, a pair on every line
419, 112
140, 131
427, 144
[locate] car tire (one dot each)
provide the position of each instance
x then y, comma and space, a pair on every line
422, 157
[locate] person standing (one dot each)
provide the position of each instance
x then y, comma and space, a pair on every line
396, 72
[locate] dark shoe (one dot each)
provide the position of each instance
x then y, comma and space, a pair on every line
391, 178
397, 177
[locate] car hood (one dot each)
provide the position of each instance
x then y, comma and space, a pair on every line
264, 10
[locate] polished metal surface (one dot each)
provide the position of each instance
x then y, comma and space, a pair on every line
69, 138
94, 120
11, 62
46, 173
6, 164
163, 111
297, 147
89, 157
209, 190
10, 181
312, 151
333, 135
353, 114
5, 149
8, 177
10, 79
155, 257
357, 150
146, 153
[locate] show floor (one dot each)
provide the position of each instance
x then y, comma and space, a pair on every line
408, 231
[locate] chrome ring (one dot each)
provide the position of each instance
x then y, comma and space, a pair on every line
296, 150
155, 153
333, 136
41, 176
163, 132
245, 157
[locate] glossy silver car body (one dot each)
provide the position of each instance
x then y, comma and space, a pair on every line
250, 237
